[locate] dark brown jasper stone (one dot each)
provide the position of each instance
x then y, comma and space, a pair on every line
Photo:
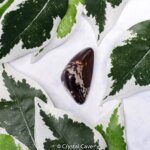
78, 73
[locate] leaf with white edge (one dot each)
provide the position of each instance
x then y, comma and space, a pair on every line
102, 14
114, 133
65, 28
17, 110
129, 70
65, 129
4, 6
24, 29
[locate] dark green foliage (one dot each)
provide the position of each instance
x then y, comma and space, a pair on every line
17, 115
31, 23
1, 1
30, 28
67, 131
132, 59
97, 9
114, 3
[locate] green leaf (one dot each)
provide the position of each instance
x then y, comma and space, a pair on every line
66, 129
114, 134
114, 3
130, 61
8, 143
17, 113
27, 29
5, 6
100, 129
1, 1
65, 28
97, 9
96, 12
97, 16
69, 19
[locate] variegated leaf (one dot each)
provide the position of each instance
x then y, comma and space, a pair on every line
64, 129
129, 71
17, 110
24, 29
65, 28
103, 14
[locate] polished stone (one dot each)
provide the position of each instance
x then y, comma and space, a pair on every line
77, 75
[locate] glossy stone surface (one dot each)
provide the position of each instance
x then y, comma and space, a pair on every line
77, 75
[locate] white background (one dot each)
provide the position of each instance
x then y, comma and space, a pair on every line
47, 72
